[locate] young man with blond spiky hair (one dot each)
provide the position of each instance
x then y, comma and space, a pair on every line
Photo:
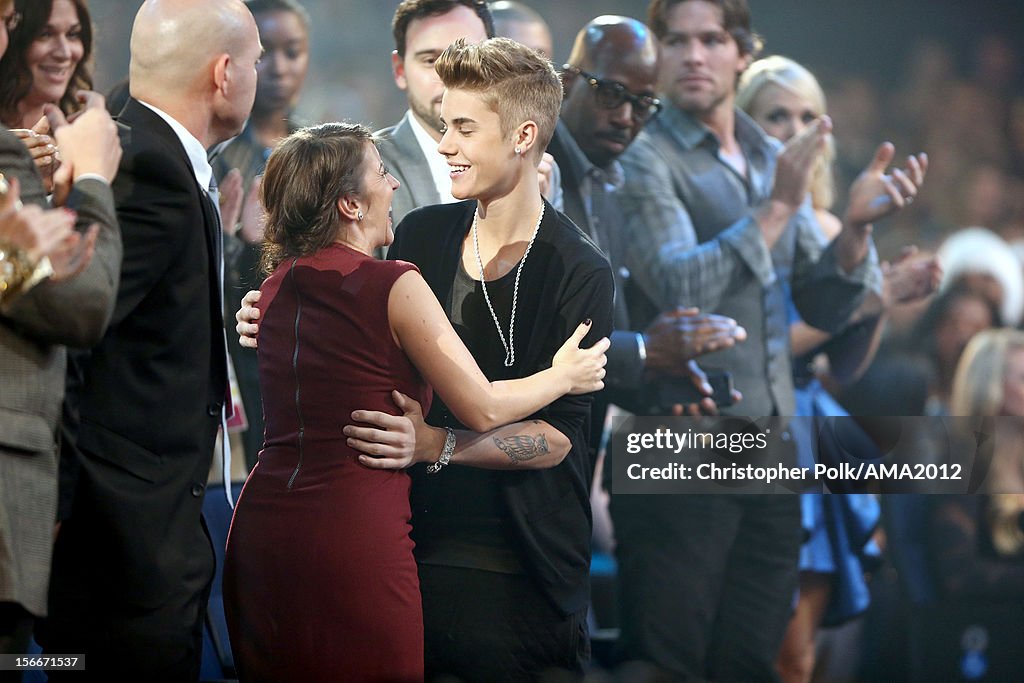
504, 555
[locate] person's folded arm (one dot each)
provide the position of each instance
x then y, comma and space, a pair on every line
425, 334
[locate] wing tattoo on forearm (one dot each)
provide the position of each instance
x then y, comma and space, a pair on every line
521, 447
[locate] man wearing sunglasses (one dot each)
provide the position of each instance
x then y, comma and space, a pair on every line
609, 87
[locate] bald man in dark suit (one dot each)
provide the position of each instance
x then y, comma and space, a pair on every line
133, 563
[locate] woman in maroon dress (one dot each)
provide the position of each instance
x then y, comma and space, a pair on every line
319, 580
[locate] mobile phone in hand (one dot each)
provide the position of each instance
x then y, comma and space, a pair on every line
673, 391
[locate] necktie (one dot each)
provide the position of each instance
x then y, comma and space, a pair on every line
214, 195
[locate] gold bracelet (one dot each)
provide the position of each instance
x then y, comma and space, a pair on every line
18, 273
13, 270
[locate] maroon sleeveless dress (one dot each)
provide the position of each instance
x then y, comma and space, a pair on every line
320, 583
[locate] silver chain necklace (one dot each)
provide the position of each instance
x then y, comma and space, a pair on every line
510, 349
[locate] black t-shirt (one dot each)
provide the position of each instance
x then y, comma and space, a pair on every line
472, 529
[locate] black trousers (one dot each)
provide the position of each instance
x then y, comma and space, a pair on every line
15, 634
121, 640
492, 627
706, 582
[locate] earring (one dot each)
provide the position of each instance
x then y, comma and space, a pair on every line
518, 151
359, 216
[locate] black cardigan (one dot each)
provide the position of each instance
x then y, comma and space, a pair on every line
565, 280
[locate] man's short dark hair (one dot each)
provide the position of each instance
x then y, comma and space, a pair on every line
293, 6
409, 10
735, 20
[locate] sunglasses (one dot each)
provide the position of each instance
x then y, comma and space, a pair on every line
612, 95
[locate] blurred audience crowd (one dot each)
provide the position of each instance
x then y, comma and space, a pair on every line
815, 264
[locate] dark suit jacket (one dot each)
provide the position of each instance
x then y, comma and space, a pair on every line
624, 382
153, 388
33, 330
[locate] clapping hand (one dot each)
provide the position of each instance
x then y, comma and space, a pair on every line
253, 216
32, 230
795, 164
545, 172
48, 233
89, 145
876, 194
910, 277
231, 196
42, 148
676, 337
